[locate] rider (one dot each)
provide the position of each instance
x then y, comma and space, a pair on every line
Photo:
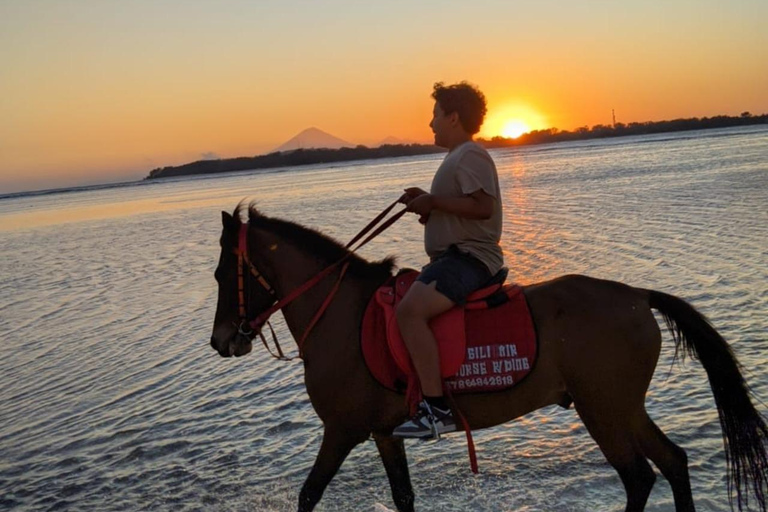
462, 215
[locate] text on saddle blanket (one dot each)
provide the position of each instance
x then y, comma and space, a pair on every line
482, 348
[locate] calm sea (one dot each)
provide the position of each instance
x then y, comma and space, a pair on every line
111, 398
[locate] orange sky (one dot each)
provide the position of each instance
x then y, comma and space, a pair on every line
94, 91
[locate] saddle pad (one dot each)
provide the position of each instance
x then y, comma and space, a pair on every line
447, 328
481, 349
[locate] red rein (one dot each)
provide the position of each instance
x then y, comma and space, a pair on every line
257, 323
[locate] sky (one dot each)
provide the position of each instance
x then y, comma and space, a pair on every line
96, 91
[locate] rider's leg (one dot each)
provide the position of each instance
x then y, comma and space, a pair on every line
420, 304
445, 282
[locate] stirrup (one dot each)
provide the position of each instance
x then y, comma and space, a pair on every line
432, 424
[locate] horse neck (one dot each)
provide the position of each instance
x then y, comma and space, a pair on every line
288, 267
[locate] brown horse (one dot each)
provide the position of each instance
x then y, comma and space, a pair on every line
598, 347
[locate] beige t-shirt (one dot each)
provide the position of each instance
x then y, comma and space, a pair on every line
465, 170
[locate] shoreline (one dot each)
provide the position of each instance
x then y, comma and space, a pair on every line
302, 157
158, 179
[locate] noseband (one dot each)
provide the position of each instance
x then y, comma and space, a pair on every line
251, 328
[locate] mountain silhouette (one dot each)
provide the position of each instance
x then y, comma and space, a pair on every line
314, 138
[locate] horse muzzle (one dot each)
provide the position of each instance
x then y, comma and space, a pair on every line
238, 345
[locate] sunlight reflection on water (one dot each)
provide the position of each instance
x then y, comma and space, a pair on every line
111, 398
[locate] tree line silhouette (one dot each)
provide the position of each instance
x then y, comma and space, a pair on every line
323, 155
621, 130
294, 158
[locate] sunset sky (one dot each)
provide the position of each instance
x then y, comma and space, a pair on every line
98, 91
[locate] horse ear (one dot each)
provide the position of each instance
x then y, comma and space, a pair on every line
228, 221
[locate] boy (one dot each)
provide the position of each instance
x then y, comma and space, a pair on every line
462, 215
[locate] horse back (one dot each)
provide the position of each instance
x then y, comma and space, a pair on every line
599, 334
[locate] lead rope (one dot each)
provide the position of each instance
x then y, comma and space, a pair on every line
467, 430
344, 268
279, 356
263, 318
321, 310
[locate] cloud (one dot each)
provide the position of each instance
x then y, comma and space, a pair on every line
209, 155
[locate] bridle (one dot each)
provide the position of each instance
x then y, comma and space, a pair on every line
251, 328
244, 327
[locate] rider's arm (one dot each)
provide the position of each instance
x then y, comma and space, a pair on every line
477, 205
476, 176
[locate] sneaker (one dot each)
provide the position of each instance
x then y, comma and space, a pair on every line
427, 423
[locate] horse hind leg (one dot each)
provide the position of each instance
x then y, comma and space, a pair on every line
671, 461
614, 435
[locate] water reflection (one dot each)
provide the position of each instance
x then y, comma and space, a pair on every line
111, 398
529, 233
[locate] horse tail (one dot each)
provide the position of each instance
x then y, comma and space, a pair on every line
745, 434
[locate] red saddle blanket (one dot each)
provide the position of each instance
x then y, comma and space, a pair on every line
483, 346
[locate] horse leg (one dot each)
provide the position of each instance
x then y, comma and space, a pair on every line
617, 442
392, 453
334, 449
671, 461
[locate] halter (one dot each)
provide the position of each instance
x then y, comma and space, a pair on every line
243, 324
256, 324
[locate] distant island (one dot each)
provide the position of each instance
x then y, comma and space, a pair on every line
293, 158
309, 156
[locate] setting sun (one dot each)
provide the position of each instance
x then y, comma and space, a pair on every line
511, 119
514, 128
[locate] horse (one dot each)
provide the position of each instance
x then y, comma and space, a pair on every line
599, 344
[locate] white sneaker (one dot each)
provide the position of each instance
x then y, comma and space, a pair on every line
427, 423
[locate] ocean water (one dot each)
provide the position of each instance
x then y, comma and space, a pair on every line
112, 399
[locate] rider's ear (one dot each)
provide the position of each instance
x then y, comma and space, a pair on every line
229, 222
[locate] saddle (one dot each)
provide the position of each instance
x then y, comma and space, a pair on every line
489, 344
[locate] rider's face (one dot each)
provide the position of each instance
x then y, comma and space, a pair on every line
442, 125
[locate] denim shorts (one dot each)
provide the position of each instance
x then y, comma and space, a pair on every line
457, 274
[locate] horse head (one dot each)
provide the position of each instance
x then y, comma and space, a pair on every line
243, 292
267, 257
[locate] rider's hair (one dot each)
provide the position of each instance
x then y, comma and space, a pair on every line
466, 100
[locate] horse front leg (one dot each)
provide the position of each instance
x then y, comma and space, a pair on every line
334, 449
392, 453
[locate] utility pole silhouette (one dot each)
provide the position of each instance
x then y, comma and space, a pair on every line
613, 114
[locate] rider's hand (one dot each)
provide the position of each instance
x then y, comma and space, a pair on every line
421, 205
411, 194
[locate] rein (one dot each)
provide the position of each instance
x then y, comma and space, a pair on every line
256, 324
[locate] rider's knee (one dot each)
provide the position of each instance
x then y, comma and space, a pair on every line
408, 311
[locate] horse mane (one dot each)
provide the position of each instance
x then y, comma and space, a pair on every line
316, 243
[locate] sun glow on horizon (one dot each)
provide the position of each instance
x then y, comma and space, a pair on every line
511, 120
514, 128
